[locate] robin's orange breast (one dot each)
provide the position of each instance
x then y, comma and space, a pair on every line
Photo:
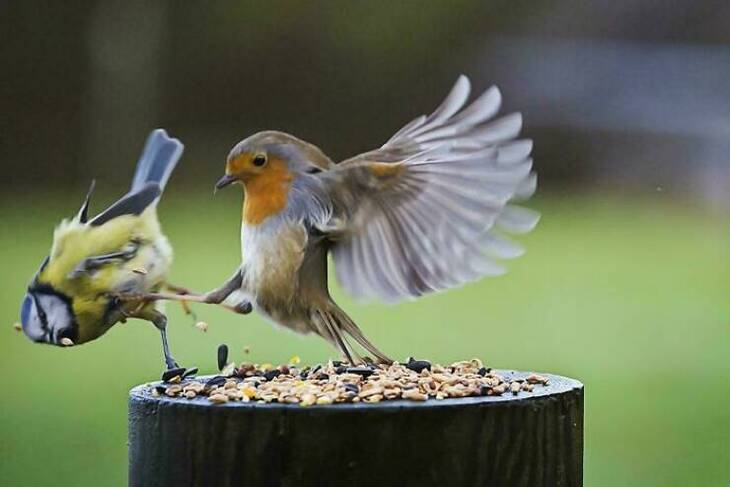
267, 192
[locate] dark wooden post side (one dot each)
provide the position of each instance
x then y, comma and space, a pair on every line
532, 439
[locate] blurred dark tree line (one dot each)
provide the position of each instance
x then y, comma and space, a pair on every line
83, 82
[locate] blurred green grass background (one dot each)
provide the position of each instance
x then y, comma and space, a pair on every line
628, 295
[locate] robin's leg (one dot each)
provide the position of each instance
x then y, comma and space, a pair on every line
216, 296
244, 307
327, 327
220, 294
178, 289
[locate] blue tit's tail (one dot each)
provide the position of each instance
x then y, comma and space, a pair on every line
159, 158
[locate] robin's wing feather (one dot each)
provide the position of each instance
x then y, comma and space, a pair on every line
429, 209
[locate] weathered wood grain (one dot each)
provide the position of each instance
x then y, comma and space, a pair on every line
532, 439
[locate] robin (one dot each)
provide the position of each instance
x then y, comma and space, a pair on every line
425, 212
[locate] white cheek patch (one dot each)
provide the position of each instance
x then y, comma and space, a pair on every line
58, 316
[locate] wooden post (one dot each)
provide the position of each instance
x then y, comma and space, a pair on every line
531, 439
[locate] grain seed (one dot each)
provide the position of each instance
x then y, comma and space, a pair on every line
336, 382
414, 395
536, 379
324, 400
202, 326
218, 398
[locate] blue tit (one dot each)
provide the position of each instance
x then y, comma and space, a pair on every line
74, 297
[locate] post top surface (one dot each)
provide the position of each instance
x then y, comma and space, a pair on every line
557, 385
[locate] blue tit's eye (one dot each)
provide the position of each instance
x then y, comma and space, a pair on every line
259, 160
25, 310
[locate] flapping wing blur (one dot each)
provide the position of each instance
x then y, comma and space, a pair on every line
429, 209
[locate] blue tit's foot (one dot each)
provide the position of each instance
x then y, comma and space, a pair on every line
172, 372
181, 372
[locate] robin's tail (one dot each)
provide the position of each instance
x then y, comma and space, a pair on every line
336, 327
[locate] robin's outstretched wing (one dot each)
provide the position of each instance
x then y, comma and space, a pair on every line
429, 209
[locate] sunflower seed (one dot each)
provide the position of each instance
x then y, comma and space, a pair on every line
418, 365
362, 371
222, 356
190, 372
218, 380
272, 374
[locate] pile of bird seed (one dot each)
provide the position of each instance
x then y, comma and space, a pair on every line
337, 382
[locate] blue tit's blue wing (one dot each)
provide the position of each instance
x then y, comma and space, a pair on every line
158, 159
130, 204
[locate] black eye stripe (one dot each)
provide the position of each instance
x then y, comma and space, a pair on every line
40, 311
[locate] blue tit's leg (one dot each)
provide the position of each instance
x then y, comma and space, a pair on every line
161, 324
160, 321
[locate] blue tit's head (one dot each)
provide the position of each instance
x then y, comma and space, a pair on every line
47, 317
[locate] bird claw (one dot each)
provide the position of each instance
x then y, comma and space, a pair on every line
129, 296
176, 371
243, 308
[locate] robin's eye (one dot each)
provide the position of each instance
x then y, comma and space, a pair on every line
259, 160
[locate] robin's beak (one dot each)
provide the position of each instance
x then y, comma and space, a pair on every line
225, 181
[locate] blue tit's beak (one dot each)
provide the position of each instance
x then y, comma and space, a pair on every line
225, 181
